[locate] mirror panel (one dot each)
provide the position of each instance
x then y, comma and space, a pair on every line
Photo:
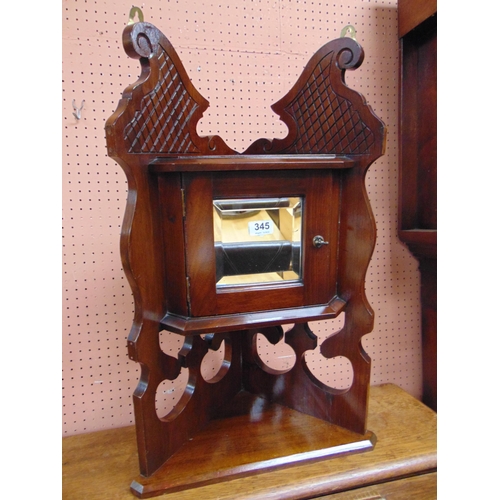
258, 240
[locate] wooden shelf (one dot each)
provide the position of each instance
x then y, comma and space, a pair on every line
250, 436
102, 464
228, 323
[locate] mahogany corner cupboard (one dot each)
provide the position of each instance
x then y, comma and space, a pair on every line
220, 246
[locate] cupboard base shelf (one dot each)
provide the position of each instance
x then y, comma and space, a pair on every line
250, 436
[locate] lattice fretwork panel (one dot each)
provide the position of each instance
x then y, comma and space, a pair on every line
348, 135
160, 124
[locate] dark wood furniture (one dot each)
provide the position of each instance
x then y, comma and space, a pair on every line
418, 165
191, 277
99, 465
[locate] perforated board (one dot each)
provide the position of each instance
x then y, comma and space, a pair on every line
242, 56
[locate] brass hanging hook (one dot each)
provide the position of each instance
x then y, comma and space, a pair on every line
348, 30
133, 11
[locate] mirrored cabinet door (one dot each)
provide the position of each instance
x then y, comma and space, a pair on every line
260, 243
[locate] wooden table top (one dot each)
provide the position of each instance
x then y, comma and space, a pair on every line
101, 465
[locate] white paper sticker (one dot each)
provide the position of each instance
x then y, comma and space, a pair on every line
260, 227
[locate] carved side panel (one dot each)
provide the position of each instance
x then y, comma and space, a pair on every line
159, 438
299, 389
326, 121
322, 114
158, 114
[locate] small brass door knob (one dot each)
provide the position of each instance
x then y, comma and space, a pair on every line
318, 241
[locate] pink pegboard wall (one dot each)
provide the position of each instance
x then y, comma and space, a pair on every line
242, 56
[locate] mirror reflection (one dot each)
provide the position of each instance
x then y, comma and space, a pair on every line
258, 240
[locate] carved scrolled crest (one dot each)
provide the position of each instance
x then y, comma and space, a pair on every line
323, 115
141, 40
161, 110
